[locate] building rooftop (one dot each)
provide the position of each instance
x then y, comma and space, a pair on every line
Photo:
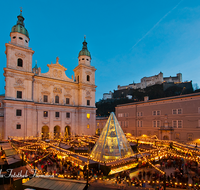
19, 27
162, 99
84, 50
54, 184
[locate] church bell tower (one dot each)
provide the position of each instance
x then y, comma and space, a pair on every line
85, 79
18, 71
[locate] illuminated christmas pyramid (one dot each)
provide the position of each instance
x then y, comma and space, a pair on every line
112, 143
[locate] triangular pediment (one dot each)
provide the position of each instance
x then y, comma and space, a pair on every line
56, 71
57, 66
112, 143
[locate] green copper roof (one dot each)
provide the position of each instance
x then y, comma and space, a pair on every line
19, 27
84, 50
36, 67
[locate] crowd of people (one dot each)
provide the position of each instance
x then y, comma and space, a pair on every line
179, 172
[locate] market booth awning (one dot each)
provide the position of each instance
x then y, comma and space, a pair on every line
54, 184
10, 156
65, 146
5, 146
13, 159
10, 152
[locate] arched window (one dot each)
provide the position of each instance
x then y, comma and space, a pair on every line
88, 77
20, 62
78, 78
56, 99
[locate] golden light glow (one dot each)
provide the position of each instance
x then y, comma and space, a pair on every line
24, 180
88, 115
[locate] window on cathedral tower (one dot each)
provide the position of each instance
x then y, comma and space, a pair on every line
88, 102
88, 77
18, 126
20, 62
18, 112
88, 116
19, 94
57, 99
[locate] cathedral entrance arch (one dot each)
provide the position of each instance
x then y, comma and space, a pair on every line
165, 137
67, 131
56, 132
45, 132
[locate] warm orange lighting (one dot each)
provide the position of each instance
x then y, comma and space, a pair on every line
88, 115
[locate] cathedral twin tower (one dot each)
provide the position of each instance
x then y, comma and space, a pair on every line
46, 105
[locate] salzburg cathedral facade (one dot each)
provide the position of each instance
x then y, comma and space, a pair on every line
45, 105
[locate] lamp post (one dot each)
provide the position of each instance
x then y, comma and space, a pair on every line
137, 140
87, 173
165, 181
22, 159
137, 149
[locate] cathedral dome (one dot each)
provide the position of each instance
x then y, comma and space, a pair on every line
19, 27
84, 50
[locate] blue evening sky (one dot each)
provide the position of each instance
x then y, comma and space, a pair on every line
127, 39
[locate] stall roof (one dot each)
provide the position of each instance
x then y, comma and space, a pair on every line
132, 158
84, 159
145, 146
65, 146
10, 152
5, 146
55, 184
142, 155
13, 159
80, 148
121, 161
